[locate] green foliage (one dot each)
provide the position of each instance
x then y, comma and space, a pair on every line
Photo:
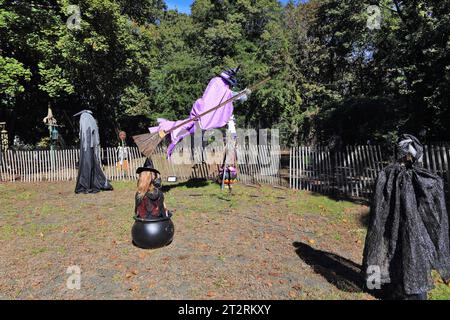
134, 61
53, 83
12, 73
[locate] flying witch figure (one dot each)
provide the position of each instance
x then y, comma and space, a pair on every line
219, 89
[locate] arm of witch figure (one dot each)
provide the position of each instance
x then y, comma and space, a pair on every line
244, 97
166, 211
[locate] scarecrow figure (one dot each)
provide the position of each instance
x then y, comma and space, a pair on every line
91, 178
122, 153
408, 233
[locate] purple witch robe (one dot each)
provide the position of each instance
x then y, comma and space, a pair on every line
216, 92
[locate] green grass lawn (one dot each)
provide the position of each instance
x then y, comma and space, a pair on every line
227, 245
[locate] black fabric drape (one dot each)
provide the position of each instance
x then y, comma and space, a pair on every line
91, 178
408, 233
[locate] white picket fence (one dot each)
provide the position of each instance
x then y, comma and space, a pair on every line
257, 164
352, 172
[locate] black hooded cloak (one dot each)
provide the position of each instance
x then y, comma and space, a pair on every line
91, 178
408, 232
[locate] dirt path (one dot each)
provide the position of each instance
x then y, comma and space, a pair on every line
256, 244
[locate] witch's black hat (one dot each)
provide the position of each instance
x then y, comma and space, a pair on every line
148, 166
229, 76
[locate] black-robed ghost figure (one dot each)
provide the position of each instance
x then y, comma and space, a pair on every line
408, 232
91, 178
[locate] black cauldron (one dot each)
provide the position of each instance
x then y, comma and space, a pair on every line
152, 233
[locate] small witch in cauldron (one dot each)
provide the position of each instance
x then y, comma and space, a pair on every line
153, 227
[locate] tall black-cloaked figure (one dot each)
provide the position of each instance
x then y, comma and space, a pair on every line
408, 232
91, 178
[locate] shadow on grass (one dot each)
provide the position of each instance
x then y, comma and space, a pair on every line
341, 197
364, 219
342, 273
192, 183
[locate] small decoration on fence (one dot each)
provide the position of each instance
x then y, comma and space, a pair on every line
52, 124
3, 136
122, 153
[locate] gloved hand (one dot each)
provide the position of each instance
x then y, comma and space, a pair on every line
244, 96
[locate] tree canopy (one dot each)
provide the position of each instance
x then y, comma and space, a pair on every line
131, 62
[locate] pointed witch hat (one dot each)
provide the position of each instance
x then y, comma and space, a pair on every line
148, 166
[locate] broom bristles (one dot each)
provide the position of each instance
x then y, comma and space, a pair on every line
147, 142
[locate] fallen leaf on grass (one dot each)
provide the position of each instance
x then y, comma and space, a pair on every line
274, 274
202, 246
211, 294
311, 241
142, 255
133, 288
292, 294
131, 273
297, 287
